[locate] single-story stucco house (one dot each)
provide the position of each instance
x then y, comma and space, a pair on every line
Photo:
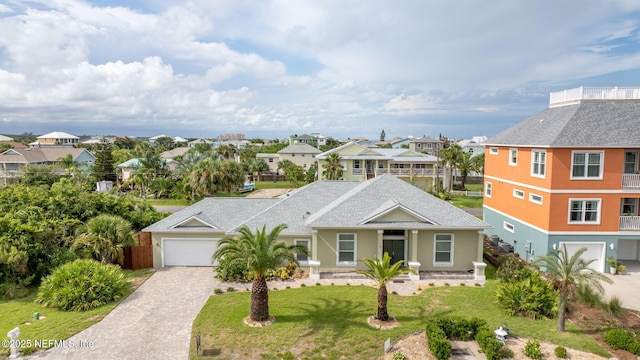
340, 222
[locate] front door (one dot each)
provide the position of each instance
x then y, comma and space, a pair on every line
395, 249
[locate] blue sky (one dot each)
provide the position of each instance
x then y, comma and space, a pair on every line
275, 68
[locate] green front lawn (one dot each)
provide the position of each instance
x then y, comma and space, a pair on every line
55, 324
462, 201
329, 322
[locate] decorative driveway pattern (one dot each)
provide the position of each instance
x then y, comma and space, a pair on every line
152, 323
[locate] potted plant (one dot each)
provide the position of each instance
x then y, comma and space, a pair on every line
613, 265
620, 268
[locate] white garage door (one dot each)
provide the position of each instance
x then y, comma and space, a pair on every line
188, 252
595, 251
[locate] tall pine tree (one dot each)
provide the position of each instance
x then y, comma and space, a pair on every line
104, 168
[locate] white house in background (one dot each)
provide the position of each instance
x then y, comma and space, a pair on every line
195, 142
5, 138
475, 145
57, 138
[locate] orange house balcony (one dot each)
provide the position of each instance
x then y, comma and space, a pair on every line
629, 223
631, 181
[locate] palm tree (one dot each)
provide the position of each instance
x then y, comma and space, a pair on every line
231, 176
67, 163
105, 236
450, 158
259, 253
567, 273
382, 271
203, 179
465, 165
227, 151
333, 167
478, 163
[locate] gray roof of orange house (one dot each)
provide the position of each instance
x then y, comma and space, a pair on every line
362, 205
614, 123
36, 155
219, 213
299, 148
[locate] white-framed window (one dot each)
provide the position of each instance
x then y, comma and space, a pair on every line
443, 250
518, 193
513, 157
302, 258
535, 198
584, 211
346, 249
538, 163
270, 160
419, 145
488, 189
508, 226
356, 164
493, 151
587, 164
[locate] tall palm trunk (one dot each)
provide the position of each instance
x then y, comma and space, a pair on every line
383, 315
259, 299
562, 311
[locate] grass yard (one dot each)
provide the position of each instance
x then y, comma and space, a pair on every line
261, 185
55, 324
462, 201
329, 322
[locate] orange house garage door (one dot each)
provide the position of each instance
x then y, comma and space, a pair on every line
188, 252
595, 251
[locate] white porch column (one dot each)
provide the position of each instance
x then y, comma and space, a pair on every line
479, 255
314, 245
478, 270
380, 233
414, 246
314, 263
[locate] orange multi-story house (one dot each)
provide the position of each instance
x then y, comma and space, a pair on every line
569, 175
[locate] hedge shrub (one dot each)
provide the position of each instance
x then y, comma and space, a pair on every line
82, 285
491, 347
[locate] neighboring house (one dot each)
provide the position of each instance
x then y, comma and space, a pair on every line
569, 175
175, 139
426, 145
271, 160
98, 140
300, 154
12, 160
398, 142
5, 138
57, 138
475, 145
195, 142
128, 167
173, 153
340, 222
362, 162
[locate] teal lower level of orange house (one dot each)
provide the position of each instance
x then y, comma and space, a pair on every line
529, 241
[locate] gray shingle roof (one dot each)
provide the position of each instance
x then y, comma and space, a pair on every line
588, 124
357, 205
328, 204
299, 148
223, 213
295, 208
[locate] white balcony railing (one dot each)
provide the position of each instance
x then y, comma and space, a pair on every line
409, 172
574, 96
631, 181
629, 222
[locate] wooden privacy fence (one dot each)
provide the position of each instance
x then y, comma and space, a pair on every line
141, 256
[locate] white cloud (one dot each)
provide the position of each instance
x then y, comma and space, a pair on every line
287, 65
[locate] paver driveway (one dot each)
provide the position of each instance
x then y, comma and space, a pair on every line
152, 323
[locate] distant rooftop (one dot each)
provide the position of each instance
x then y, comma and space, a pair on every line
577, 95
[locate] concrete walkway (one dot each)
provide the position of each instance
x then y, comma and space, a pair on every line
152, 323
